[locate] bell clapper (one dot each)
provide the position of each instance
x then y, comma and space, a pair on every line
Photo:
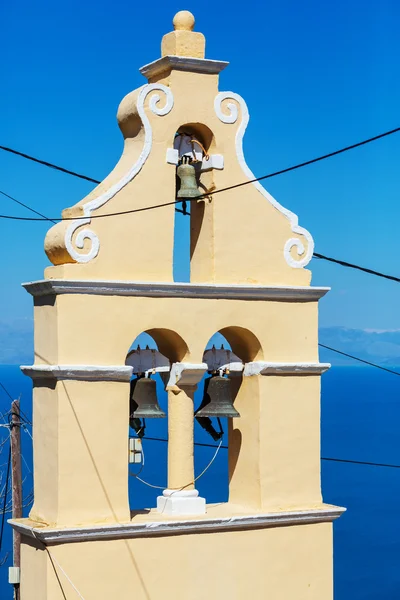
206, 424
138, 426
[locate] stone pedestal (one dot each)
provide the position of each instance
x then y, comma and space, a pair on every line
181, 502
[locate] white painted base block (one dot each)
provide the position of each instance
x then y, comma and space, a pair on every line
181, 502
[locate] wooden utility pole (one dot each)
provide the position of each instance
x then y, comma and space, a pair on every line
16, 480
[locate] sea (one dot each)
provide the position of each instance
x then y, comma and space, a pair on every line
360, 422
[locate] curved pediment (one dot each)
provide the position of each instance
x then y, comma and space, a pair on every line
238, 235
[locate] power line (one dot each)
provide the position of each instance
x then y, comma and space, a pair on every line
154, 439
358, 267
316, 254
200, 196
371, 364
287, 170
341, 460
28, 207
6, 391
116, 214
5, 497
361, 462
48, 164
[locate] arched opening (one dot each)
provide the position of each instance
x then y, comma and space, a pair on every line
150, 355
226, 353
193, 142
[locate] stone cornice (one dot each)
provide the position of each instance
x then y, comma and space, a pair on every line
182, 63
78, 372
53, 287
50, 536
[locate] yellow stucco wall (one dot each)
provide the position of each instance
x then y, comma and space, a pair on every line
290, 563
99, 330
81, 428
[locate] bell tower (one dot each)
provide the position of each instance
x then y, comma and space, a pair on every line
111, 279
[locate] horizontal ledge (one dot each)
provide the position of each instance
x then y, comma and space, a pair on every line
54, 287
271, 368
183, 63
173, 527
81, 372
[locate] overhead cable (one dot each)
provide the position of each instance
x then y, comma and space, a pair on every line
361, 462
5, 497
354, 266
200, 196
303, 164
316, 254
341, 460
48, 164
27, 207
366, 362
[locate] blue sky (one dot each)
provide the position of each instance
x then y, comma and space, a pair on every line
316, 76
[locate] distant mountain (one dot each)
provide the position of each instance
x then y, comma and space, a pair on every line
382, 347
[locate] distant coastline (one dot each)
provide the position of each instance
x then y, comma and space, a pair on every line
377, 346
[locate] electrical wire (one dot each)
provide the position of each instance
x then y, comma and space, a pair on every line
195, 443
361, 462
52, 557
343, 263
6, 391
27, 207
287, 170
48, 164
315, 255
200, 196
341, 460
367, 362
159, 487
116, 214
27, 421
54, 560
5, 497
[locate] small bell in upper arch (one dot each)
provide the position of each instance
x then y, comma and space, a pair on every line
187, 174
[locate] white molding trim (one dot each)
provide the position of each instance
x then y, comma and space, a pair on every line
78, 372
183, 63
215, 161
274, 368
89, 207
231, 117
65, 535
54, 287
186, 374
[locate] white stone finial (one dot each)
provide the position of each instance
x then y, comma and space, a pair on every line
183, 21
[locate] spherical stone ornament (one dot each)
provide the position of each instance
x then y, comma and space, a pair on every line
183, 21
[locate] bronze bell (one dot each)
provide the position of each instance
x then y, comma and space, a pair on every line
187, 174
143, 403
217, 399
